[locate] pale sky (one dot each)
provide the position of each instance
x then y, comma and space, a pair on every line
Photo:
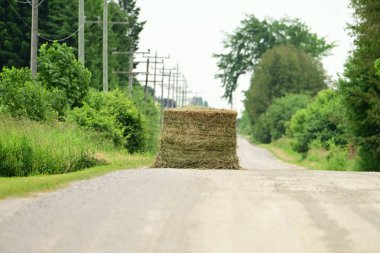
192, 30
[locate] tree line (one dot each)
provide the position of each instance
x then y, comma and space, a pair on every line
291, 96
58, 20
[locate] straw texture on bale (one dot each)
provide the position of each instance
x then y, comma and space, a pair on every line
198, 138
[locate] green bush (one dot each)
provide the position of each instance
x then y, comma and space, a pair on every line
244, 124
152, 115
22, 96
324, 120
31, 148
271, 125
114, 115
335, 158
58, 68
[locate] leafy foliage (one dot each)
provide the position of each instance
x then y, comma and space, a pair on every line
271, 125
114, 115
244, 48
281, 71
22, 96
14, 34
58, 68
244, 124
58, 20
152, 117
323, 120
121, 37
361, 87
31, 148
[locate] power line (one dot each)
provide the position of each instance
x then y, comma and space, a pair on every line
29, 2
40, 3
59, 40
39, 35
18, 15
24, 2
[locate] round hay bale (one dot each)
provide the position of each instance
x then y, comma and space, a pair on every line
194, 137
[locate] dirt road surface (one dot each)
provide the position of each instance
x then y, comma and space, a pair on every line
268, 207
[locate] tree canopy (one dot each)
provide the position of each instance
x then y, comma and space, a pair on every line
361, 86
282, 70
58, 19
245, 46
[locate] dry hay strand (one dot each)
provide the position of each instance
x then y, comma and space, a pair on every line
195, 137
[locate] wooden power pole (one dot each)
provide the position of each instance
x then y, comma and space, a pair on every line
105, 46
81, 32
34, 38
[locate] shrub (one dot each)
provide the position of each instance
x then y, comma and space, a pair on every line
152, 115
114, 115
31, 148
22, 96
58, 68
244, 124
323, 120
271, 125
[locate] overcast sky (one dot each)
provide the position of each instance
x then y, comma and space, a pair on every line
191, 31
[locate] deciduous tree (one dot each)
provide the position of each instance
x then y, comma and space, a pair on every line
245, 46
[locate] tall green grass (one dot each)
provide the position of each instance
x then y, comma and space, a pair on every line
34, 148
336, 158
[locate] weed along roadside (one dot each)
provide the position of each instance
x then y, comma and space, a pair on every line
45, 156
194, 137
26, 186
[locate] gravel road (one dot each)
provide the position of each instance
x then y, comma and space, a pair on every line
268, 207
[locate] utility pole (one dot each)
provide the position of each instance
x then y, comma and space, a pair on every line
170, 76
105, 46
147, 73
155, 73
146, 79
81, 32
184, 91
177, 94
162, 94
155, 70
168, 73
34, 38
130, 82
130, 54
175, 79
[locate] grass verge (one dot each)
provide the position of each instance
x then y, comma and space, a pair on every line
317, 158
25, 186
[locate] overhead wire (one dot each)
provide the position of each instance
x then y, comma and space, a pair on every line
39, 35
24, 2
18, 15
59, 40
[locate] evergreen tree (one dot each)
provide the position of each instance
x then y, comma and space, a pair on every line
14, 34
361, 88
59, 21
